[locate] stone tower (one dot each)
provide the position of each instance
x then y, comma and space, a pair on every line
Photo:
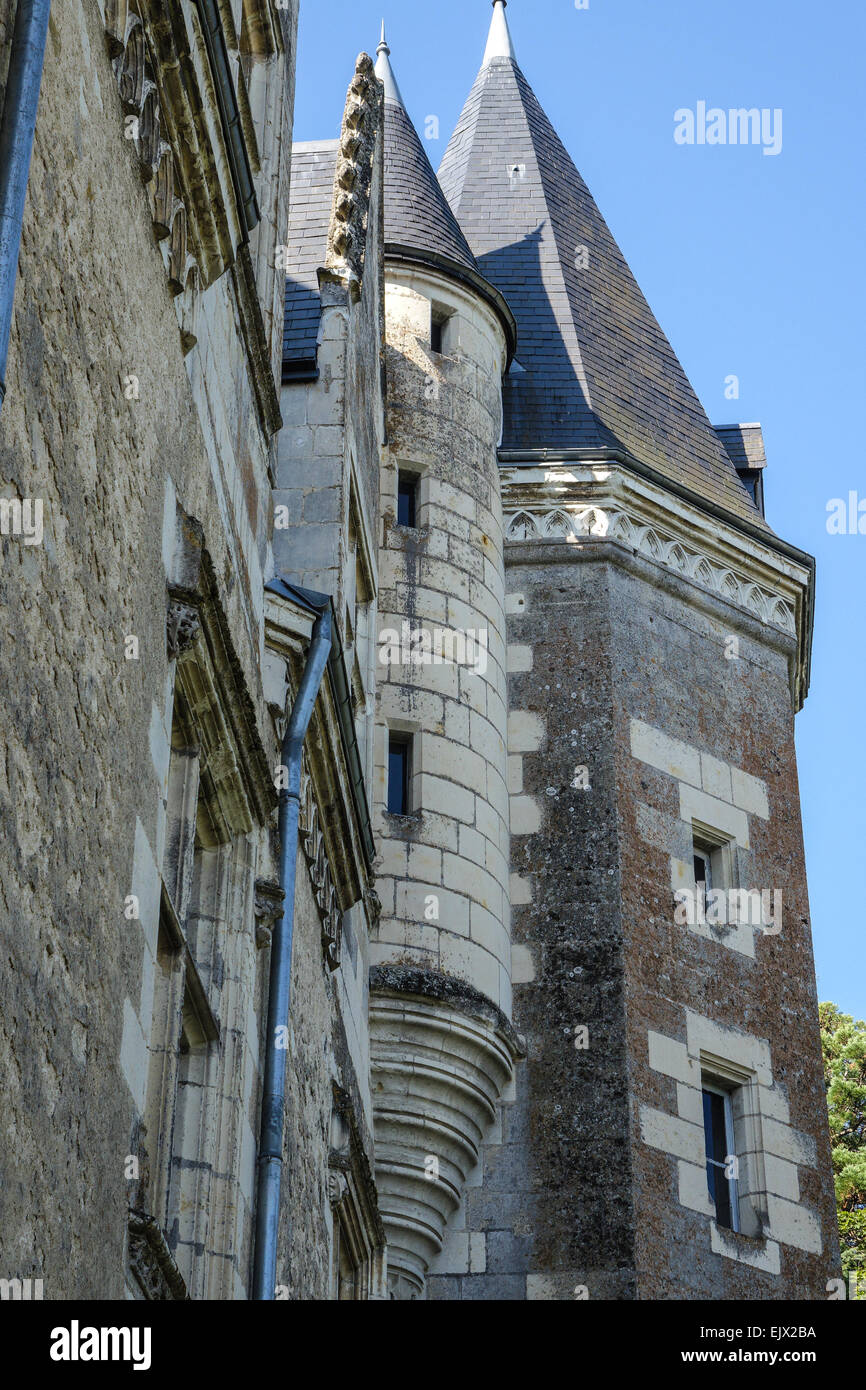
441, 1042
668, 1133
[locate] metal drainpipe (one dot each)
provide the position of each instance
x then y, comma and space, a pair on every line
274, 1086
16, 147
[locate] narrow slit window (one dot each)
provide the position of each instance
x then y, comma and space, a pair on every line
720, 1157
399, 775
407, 499
437, 333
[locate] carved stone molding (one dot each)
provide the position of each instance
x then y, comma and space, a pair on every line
441, 1057
338, 1188
145, 124
362, 120
237, 780
358, 1231
583, 523
152, 1263
182, 627
313, 845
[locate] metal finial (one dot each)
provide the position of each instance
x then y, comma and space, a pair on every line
385, 72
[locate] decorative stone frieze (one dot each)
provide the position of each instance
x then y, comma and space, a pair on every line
588, 504
560, 524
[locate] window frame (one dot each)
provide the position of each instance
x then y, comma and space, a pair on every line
408, 486
710, 1086
398, 739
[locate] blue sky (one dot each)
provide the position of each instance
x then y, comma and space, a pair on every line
753, 265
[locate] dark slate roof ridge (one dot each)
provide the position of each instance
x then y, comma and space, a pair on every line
599, 370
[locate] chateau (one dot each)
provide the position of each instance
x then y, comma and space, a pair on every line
400, 667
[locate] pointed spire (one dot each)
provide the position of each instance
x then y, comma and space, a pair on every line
385, 72
598, 372
499, 43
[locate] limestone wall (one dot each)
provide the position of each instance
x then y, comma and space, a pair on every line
113, 420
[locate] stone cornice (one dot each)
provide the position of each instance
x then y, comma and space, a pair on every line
583, 504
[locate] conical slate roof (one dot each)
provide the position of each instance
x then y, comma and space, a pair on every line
594, 370
418, 220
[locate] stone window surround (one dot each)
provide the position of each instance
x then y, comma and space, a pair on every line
769, 1149
716, 801
421, 474
410, 730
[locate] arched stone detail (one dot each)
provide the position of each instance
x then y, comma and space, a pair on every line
650, 544
677, 558
522, 527
591, 522
621, 528
782, 616
704, 574
756, 600
559, 524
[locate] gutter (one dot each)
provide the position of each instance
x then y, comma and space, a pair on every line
270, 1161
16, 147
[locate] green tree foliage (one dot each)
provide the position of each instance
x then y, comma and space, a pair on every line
843, 1043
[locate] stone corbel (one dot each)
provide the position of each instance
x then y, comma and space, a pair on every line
152, 1263
269, 905
183, 624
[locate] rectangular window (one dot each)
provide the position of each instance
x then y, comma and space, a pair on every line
407, 496
703, 869
722, 1163
399, 774
437, 329
713, 859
